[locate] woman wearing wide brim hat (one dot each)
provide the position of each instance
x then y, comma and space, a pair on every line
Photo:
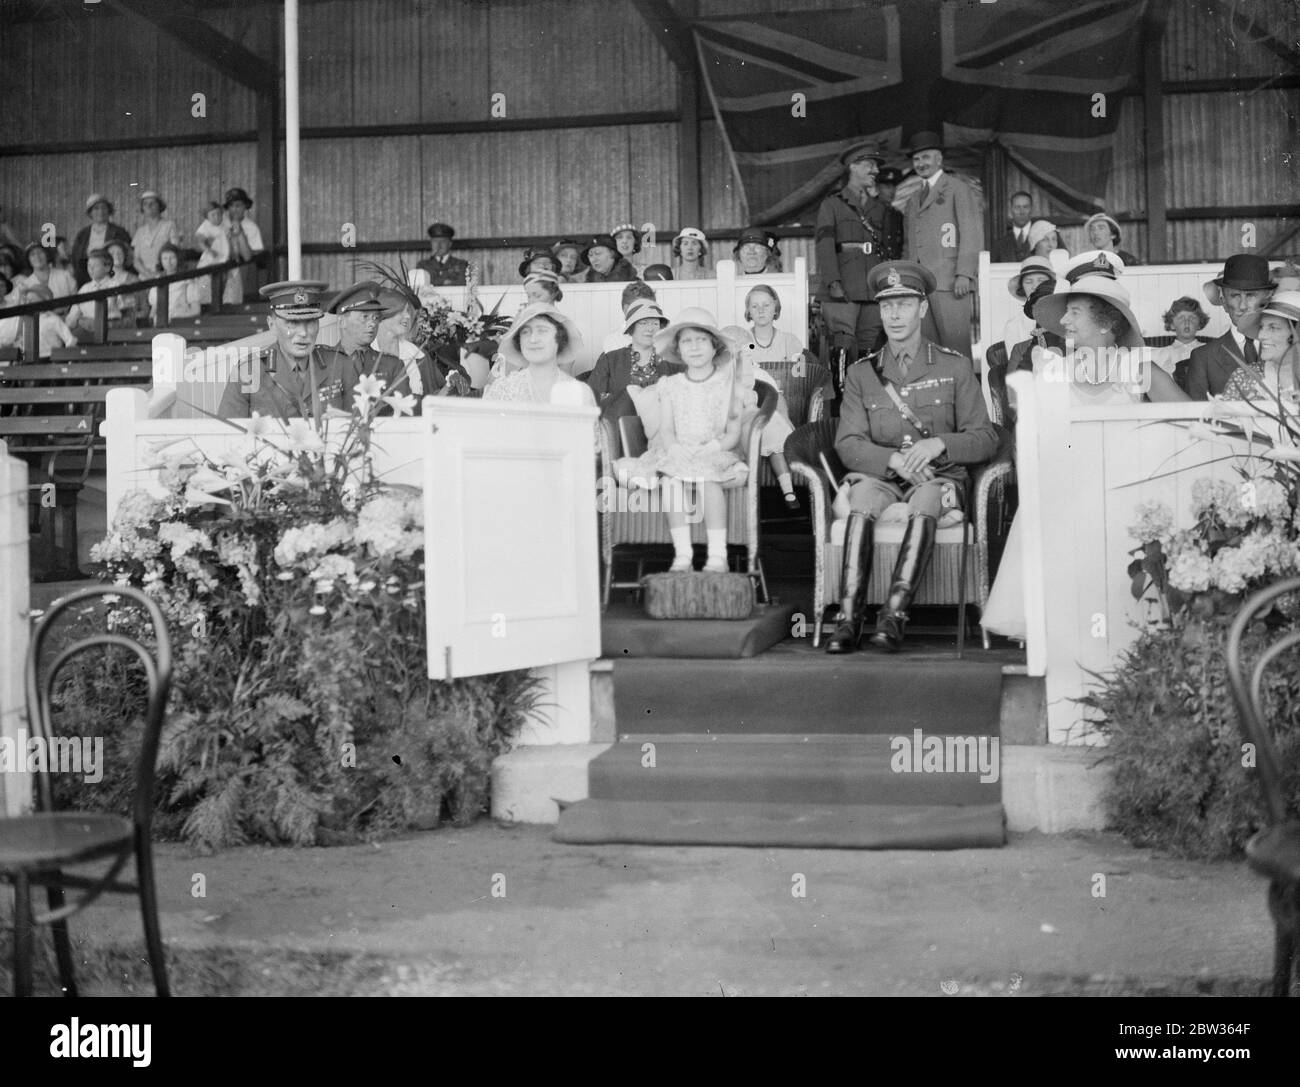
539, 350
96, 235
632, 368
1033, 273
1102, 232
151, 235
1277, 328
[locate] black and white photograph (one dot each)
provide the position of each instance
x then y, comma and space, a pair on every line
653, 498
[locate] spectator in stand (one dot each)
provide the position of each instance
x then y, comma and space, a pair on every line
1277, 328
242, 238
81, 317
11, 262
636, 292
59, 281
604, 265
943, 228
538, 260
1014, 244
63, 256
756, 252
627, 241
444, 269
182, 296
52, 329
541, 348
211, 237
152, 234
1103, 233
1034, 272
1242, 289
542, 287
657, 273
1286, 277
691, 254
569, 254
11, 328
1184, 319
638, 364
121, 275
887, 182
96, 235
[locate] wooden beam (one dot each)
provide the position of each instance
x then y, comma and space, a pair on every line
1154, 123
184, 24
671, 30
690, 195
1233, 85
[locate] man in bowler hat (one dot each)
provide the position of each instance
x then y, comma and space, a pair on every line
291, 378
856, 230
912, 418
444, 269
1242, 289
943, 228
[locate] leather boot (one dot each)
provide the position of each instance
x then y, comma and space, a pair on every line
913, 558
856, 573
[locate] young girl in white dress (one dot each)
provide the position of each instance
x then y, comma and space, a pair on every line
698, 442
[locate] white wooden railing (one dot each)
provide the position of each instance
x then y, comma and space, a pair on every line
15, 603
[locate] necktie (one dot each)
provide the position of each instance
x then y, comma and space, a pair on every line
1252, 356
902, 365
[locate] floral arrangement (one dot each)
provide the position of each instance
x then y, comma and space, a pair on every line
292, 580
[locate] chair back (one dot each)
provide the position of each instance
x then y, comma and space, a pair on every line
800, 381
1249, 696
995, 363
157, 666
631, 433
810, 443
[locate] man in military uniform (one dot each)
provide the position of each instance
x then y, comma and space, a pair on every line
444, 269
360, 309
292, 377
856, 230
912, 417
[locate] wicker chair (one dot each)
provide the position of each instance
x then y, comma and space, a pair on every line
631, 520
1274, 851
952, 578
805, 386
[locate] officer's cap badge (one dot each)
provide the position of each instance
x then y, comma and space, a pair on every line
893, 278
300, 298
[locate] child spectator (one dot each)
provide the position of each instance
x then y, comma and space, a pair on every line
183, 296
698, 442
60, 281
211, 237
81, 317
1184, 319
53, 330
120, 252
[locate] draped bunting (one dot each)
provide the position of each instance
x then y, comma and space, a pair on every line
1023, 74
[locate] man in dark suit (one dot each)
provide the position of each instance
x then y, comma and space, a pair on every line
444, 269
1242, 289
1014, 244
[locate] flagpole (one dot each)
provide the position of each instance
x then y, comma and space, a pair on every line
291, 150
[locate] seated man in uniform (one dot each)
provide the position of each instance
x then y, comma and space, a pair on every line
443, 269
360, 309
912, 418
292, 377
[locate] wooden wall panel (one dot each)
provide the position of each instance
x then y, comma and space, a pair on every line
457, 172
325, 63
454, 71
387, 202
723, 206
652, 169
1200, 43
328, 196
18, 78
385, 62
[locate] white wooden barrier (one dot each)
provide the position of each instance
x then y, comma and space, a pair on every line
510, 530
1152, 287
1082, 471
15, 603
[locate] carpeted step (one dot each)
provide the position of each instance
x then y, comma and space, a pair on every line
829, 826
808, 692
822, 770
626, 631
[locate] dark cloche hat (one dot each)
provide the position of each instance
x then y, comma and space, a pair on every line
539, 253
756, 235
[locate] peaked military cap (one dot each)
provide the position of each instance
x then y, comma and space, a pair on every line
900, 279
359, 298
295, 299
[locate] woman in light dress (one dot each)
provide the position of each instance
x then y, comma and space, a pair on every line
538, 345
1096, 316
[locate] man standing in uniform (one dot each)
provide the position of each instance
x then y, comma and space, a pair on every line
444, 269
912, 417
856, 230
360, 308
291, 378
944, 232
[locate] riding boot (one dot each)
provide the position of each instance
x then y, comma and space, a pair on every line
913, 558
856, 573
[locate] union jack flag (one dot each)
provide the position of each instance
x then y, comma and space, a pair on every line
1023, 74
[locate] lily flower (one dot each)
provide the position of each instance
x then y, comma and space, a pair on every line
401, 403
302, 437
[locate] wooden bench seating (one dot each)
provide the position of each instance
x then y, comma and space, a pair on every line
103, 352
